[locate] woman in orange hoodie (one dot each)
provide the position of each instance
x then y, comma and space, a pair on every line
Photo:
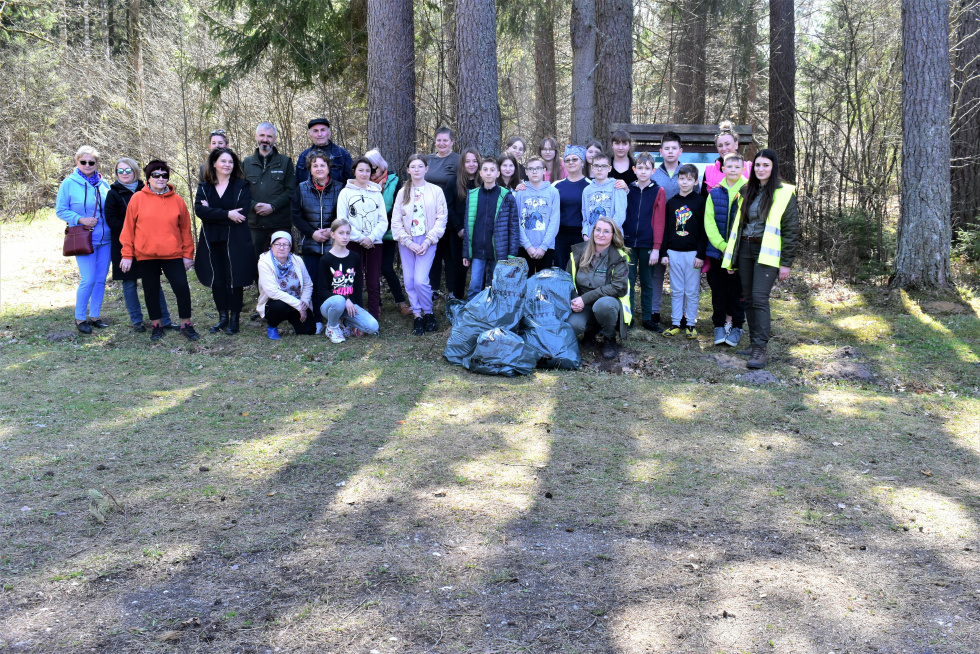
157, 234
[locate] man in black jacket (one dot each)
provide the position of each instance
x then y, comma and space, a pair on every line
273, 182
340, 159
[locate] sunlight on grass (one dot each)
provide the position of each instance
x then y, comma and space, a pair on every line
368, 379
939, 514
865, 327
949, 339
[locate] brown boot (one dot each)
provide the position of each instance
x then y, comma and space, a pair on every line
758, 358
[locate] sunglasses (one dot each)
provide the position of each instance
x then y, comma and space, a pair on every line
124, 171
218, 132
158, 174
82, 162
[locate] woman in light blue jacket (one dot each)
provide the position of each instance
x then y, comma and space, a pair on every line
81, 201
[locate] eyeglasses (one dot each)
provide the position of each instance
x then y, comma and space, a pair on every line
600, 166
124, 171
159, 174
82, 162
602, 231
281, 245
218, 132
535, 169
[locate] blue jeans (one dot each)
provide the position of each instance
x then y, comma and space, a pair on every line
335, 310
93, 269
480, 270
132, 297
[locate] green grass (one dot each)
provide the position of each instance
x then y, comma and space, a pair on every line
368, 491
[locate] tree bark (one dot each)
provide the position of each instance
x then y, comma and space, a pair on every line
135, 38
614, 75
86, 30
545, 73
923, 257
105, 29
62, 25
692, 63
782, 85
965, 128
583, 37
391, 80
477, 106
451, 67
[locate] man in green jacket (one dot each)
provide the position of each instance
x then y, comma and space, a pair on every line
273, 181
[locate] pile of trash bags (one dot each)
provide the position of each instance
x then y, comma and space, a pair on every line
516, 324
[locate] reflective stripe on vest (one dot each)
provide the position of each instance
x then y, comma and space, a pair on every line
624, 301
770, 251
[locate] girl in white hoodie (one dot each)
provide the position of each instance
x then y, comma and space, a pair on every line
362, 204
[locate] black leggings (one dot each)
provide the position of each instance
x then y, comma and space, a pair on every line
149, 271
277, 311
226, 296
388, 250
537, 265
726, 296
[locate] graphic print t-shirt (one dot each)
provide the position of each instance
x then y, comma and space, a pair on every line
418, 212
684, 224
340, 276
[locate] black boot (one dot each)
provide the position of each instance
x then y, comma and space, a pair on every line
233, 323
222, 322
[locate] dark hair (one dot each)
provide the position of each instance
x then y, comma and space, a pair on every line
512, 140
515, 179
155, 164
602, 155
315, 154
688, 169
671, 136
406, 192
621, 136
754, 188
444, 130
361, 160
211, 175
487, 160
463, 178
553, 167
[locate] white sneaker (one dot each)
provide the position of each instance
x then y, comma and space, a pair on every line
319, 328
334, 333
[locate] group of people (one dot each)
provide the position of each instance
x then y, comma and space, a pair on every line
615, 221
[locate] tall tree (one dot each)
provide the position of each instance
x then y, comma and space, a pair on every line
583, 33
450, 66
614, 74
545, 71
923, 257
692, 66
965, 127
477, 107
782, 85
391, 79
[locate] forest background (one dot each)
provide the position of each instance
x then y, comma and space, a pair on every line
821, 81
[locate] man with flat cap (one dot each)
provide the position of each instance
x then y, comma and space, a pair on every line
340, 159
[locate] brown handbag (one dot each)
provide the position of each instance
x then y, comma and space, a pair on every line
78, 241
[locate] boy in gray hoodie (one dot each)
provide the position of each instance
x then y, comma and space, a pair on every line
601, 198
538, 217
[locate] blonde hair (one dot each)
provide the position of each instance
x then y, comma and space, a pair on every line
617, 242
338, 223
132, 164
86, 149
726, 129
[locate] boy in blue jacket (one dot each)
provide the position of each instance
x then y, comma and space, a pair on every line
491, 231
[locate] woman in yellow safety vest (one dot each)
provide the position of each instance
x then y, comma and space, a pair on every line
762, 246
601, 295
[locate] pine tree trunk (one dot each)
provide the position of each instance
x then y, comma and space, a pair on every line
86, 30
451, 67
477, 107
614, 74
135, 38
922, 260
583, 37
391, 80
782, 85
62, 25
105, 29
965, 137
545, 73
692, 63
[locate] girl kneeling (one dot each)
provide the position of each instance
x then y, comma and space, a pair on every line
341, 283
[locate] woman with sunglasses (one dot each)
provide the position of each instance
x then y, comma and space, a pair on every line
81, 201
157, 235
117, 200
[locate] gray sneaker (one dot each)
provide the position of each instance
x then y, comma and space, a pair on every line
734, 336
720, 335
